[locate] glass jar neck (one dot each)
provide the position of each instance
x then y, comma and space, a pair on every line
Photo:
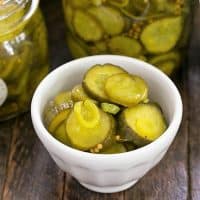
15, 13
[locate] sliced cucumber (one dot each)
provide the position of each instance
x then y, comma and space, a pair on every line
167, 62
111, 19
142, 123
85, 138
86, 26
61, 135
162, 35
114, 148
125, 89
95, 77
57, 110
79, 94
76, 47
124, 45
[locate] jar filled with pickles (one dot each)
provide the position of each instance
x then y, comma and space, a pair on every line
155, 31
23, 54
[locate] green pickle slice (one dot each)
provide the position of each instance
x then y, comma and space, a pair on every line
86, 26
57, 110
95, 78
61, 135
162, 35
79, 94
110, 19
85, 138
98, 48
142, 123
114, 148
7, 67
17, 89
79, 3
167, 62
125, 89
75, 47
124, 45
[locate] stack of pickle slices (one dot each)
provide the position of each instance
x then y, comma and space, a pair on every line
108, 113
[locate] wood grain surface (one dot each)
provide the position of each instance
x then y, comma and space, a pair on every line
28, 173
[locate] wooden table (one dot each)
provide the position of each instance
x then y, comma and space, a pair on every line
27, 171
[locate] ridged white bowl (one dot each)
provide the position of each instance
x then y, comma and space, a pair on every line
117, 172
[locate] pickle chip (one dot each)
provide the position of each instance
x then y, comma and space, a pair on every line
162, 35
114, 148
84, 138
110, 19
124, 45
79, 3
143, 123
61, 135
167, 62
86, 26
75, 47
126, 90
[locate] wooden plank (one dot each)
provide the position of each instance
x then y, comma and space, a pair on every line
5, 138
31, 173
194, 107
74, 191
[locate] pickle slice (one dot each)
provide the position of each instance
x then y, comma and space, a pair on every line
95, 77
75, 47
68, 15
17, 89
61, 135
7, 67
110, 108
84, 138
79, 94
79, 3
162, 35
114, 148
119, 3
111, 20
86, 26
143, 123
125, 89
98, 48
87, 113
57, 110
167, 62
25, 59
58, 119
124, 45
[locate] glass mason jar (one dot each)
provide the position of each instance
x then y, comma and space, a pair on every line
155, 31
23, 54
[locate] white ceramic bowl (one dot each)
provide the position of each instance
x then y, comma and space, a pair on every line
117, 172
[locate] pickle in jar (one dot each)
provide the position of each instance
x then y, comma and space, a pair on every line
76, 47
162, 35
167, 62
123, 45
110, 19
86, 26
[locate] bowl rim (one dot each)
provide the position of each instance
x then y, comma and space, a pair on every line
41, 131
